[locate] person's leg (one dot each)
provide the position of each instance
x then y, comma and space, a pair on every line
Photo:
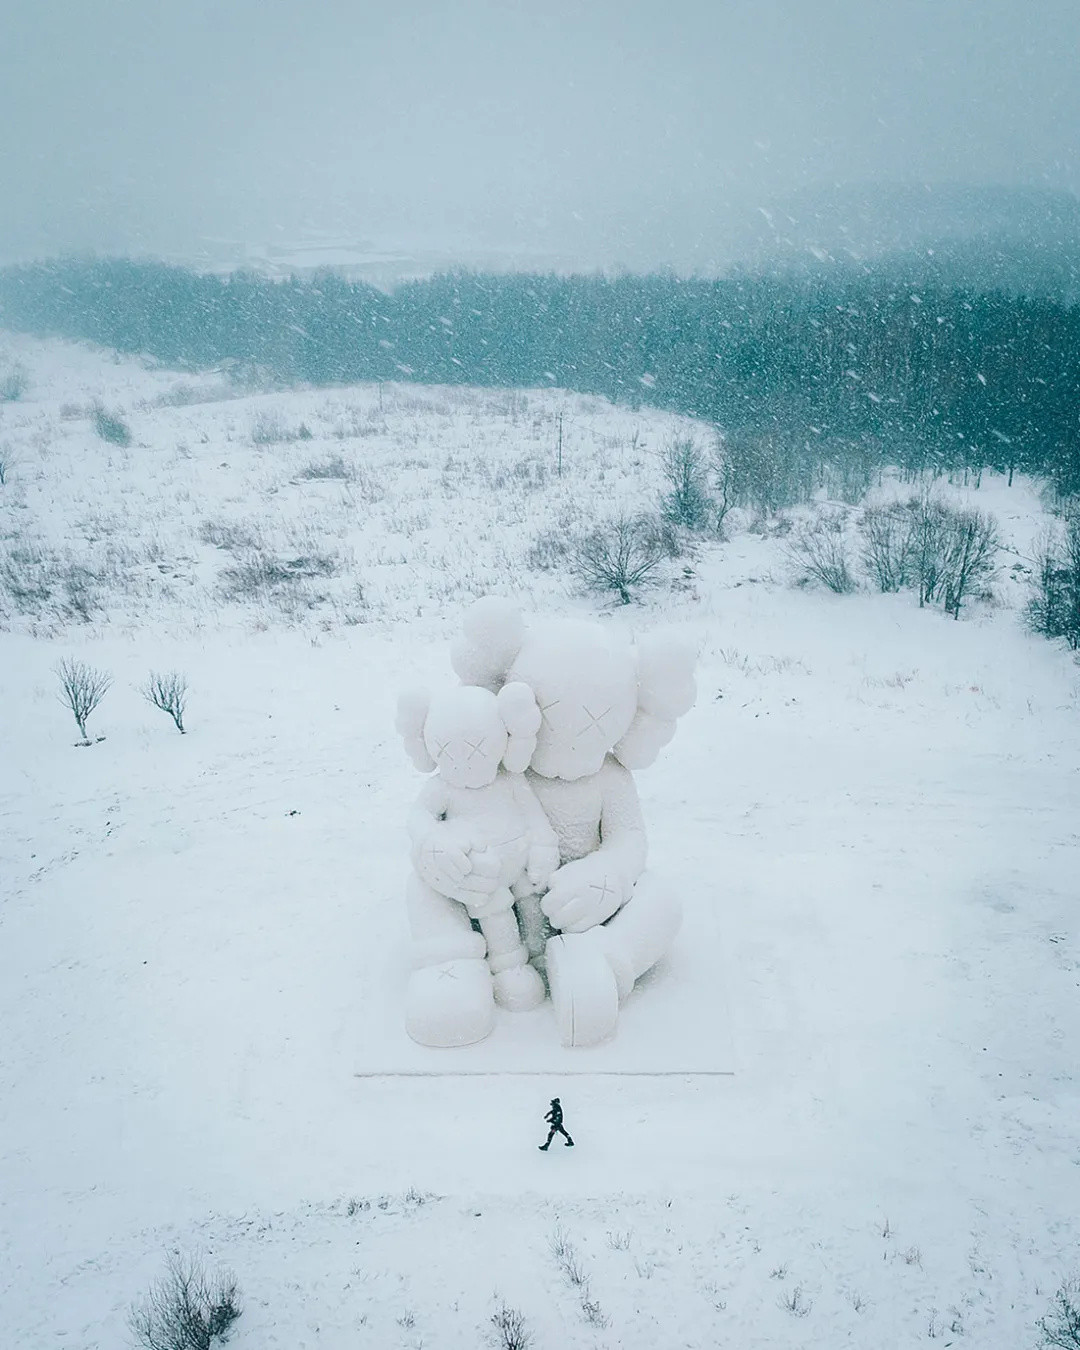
569, 1142
547, 1142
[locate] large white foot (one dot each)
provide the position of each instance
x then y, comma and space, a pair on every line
519, 989
450, 1004
584, 989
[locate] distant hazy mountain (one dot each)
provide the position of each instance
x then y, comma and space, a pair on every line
1017, 239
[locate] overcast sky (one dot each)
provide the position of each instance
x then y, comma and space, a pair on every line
610, 130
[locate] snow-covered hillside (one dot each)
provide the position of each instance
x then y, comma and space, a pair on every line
873, 1137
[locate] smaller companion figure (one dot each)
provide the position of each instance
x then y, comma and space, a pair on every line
480, 817
554, 1118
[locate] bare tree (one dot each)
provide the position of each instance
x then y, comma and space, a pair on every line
688, 502
81, 688
620, 556
820, 550
1054, 608
1061, 1327
186, 1309
974, 544
169, 693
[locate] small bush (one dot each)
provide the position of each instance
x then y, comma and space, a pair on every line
1054, 608
621, 556
81, 689
258, 573
1061, 1326
169, 693
335, 467
13, 384
227, 534
820, 551
942, 552
886, 545
510, 1330
973, 545
268, 429
186, 1310
110, 426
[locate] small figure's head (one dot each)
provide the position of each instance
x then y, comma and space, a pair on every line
466, 733
554, 1101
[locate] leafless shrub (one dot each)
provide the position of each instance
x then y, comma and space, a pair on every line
1061, 1325
549, 551
110, 426
887, 545
13, 384
227, 534
687, 502
593, 1313
621, 556
81, 689
5, 467
332, 468
566, 1258
795, 1302
186, 1309
510, 1329
820, 551
169, 693
258, 573
941, 551
1054, 607
268, 429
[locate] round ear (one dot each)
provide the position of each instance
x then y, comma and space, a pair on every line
666, 691
644, 739
492, 633
412, 711
665, 677
521, 717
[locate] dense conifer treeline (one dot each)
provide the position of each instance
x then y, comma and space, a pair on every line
914, 376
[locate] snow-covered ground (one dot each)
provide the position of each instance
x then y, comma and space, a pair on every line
872, 815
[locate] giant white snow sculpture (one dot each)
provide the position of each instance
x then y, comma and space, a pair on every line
601, 706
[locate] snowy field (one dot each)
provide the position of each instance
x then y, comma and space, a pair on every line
872, 816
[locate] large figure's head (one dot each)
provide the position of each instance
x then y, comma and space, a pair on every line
597, 692
467, 733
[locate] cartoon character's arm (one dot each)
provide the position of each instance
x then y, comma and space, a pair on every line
543, 842
590, 890
442, 849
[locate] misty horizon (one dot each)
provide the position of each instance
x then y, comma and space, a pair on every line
603, 135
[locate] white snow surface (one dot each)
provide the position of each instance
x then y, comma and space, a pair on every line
202, 937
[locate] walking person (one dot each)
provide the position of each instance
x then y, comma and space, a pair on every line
554, 1118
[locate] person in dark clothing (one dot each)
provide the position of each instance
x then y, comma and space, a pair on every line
554, 1118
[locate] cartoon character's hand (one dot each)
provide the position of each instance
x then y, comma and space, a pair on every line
446, 860
584, 893
542, 861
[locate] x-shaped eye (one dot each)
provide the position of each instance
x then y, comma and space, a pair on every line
474, 750
544, 710
442, 748
595, 722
